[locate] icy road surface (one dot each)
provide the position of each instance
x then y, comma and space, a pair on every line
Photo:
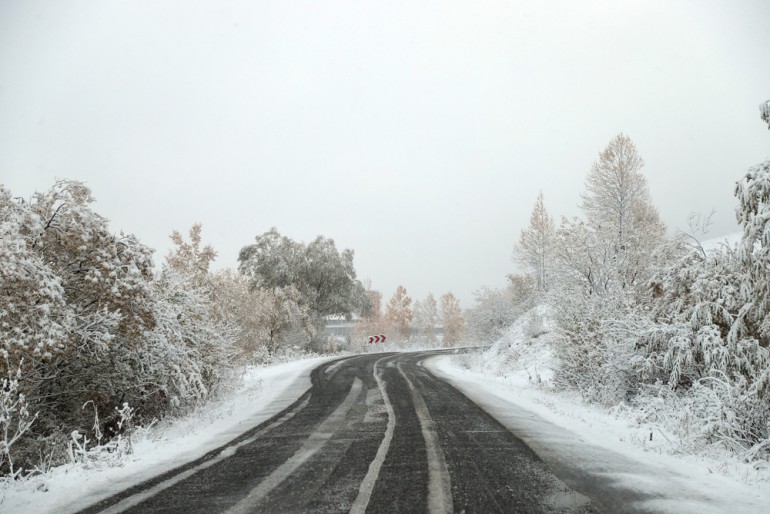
375, 433
412, 432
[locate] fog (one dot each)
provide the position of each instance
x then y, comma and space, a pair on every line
417, 133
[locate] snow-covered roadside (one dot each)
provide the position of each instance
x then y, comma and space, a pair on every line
595, 451
263, 393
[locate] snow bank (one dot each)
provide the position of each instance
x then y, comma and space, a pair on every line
263, 393
523, 355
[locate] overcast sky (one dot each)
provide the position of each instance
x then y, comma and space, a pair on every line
417, 133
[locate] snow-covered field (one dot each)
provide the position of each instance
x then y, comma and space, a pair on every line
640, 461
263, 393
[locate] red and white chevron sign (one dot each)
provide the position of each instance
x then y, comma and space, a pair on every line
377, 339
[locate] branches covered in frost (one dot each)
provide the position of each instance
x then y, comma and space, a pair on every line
764, 110
15, 420
324, 277
753, 213
535, 247
84, 312
638, 311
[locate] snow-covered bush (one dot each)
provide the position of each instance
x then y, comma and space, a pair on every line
494, 311
702, 345
95, 453
753, 213
535, 326
713, 413
698, 328
594, 347
15, 420
85, 320
187, 354
711, 328
34, 318
73, 292
656, 324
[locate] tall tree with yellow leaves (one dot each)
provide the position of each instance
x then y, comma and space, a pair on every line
452, 319
399, 314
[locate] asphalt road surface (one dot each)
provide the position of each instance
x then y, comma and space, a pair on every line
375, 433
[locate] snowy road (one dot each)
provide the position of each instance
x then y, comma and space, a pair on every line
375, 433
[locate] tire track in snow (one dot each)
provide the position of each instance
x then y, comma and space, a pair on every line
439, 485
136, 499
367, 484
314, 443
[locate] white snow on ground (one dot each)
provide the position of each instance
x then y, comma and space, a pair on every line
590, 447
263, 393
717, 242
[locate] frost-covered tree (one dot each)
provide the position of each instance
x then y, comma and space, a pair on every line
764, 109
522, 289
235, 300
74, 294
188, 354
399, 314
753, 213
492, 314
35, 320
286, 320
103, 280
585, 260
189, 257
375, 303
372, 321
452, 319
614, 188
84, 319
105, 277
426, 318
708, 335
535, 246
324, 277
603, 263
617, 206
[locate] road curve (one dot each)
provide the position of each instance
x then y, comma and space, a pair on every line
375, 433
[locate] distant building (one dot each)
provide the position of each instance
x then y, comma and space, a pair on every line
341, 327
